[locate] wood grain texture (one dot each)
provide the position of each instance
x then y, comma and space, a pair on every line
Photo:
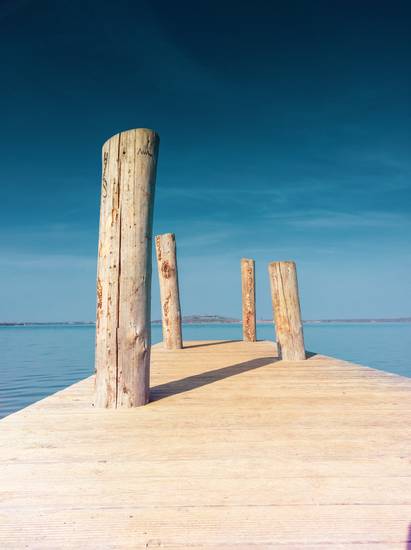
248, 299
236, 450
286, 310
124, 269
169, 291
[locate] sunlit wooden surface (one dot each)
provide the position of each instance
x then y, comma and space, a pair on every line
236, 450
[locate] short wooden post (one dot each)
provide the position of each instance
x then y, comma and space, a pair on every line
286, 308
169, 293
123, 339
248, 299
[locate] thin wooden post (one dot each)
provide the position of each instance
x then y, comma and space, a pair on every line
286, 309
169, 292
123, 341
248, 299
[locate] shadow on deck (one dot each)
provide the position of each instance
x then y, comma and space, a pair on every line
197, 380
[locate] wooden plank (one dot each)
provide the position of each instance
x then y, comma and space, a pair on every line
169, 291
236, 450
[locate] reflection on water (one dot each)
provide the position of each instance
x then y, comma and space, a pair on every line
37, 361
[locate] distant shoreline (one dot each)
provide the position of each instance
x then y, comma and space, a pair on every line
215, 320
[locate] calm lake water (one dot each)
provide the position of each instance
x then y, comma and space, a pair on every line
37, 361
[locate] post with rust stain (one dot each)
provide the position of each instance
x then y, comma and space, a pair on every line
248, 299
286, 309
123, 339
169, 292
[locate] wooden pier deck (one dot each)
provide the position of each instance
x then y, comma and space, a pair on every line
237, 450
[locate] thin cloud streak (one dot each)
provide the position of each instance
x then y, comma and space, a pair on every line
47, 261
318, 219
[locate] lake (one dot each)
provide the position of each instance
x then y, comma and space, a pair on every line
36, 361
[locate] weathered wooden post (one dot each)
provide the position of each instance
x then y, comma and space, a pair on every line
248, 299
169, 293
123, 339
286, 309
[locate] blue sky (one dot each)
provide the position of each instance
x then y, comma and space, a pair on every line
285, 134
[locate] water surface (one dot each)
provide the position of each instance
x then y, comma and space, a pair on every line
39, 360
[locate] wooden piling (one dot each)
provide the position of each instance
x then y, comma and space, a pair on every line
169, 292
123, 339
248, 299
286, 309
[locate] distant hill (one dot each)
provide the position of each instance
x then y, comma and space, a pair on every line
193, 319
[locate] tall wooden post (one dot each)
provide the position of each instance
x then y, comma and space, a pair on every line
286, 308
169, 293
248, 299
123, 339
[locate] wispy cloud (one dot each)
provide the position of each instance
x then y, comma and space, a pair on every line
255, 192
212, 193
329, 219
46, 261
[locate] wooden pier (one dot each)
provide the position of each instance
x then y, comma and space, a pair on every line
236, 450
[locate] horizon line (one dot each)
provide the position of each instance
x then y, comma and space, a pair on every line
214, 319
